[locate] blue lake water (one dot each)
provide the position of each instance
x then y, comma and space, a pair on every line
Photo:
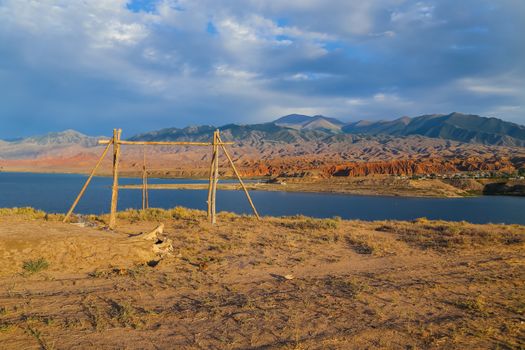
56, 192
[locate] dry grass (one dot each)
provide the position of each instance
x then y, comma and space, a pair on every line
442, 235
301, 222
279, 283
24, 212
28, 213
158, 214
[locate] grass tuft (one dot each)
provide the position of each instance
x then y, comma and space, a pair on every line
34, 266
300, 222
344, 287
359, 245
474, 305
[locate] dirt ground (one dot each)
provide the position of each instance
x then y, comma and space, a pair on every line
279, 283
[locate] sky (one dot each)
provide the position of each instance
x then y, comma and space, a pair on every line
93, 65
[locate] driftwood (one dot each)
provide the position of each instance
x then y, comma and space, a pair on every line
161, 245
152, 235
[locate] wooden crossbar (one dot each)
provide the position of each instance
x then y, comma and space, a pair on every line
187, 186
162, 143
116, 142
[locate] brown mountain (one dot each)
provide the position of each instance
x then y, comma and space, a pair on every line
308, 149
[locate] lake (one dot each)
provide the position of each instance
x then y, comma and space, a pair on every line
56, 192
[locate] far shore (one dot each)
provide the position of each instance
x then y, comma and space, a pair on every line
373, 185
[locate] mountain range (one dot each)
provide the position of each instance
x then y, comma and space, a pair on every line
296, 127
454, 126
465, 128
297, 143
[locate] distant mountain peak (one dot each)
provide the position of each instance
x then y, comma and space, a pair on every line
305, 122
293, 119
405, 119
65, 137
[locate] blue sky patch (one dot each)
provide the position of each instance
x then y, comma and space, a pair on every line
142, 5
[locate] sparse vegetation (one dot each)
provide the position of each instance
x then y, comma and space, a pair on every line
442, 235
300, 222
123, 313
277, 283
475, 305
158, 214
343, 287
25, 212
134, 271
359, 245
37, 334
34, 266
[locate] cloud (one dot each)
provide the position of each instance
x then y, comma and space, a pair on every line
93, 65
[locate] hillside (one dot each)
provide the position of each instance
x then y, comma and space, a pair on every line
51, 144
454, 126
245, 134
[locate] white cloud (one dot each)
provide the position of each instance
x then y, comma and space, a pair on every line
420, 11
224, 70
83, 60
499, 85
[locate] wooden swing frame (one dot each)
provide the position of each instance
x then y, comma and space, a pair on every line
116, 142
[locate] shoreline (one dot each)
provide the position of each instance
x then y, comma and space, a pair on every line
380, 185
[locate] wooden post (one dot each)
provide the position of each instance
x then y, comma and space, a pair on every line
147, 195
145, 201
114, 190
66, 218
215, 177
238, 177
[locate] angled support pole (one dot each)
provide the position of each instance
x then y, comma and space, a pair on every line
238, 177
114, 190
210, 185
214, 178
68, 215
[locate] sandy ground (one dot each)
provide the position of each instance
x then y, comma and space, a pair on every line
279, 283
373, 185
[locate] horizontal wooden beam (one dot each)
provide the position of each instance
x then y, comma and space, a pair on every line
162, 143
202, 186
